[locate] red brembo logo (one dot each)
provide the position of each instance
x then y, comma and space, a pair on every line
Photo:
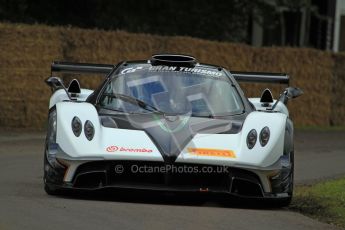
114, 148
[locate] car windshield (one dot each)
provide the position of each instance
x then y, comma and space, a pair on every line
199, 91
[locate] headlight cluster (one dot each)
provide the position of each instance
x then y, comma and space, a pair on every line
89, 130
251, 138
263, 138
77, 127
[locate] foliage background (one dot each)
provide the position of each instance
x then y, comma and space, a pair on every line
225, 20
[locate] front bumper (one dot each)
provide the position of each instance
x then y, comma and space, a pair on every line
62, 171
145, 175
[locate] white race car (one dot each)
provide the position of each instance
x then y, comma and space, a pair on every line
172, 124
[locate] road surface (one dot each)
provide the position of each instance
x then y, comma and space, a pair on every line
24, 204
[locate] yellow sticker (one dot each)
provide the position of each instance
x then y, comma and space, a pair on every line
211, 152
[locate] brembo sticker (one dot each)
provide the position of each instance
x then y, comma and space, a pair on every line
114, 148
211, 152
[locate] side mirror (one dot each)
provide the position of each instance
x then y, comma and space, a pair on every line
54, 83
289, 93
293, 92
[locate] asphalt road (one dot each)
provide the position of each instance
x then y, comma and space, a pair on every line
24, 204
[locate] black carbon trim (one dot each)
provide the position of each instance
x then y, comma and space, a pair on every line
261, 77
73, 67
102, 174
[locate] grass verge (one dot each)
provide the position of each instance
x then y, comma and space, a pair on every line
324, 201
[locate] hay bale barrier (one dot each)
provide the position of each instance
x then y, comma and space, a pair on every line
338, 92
26, 52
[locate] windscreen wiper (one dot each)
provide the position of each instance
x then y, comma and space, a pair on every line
134, 101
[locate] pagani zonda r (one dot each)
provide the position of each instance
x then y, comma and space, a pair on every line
169, 123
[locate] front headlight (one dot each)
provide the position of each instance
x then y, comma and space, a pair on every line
264, 136
76, 126
251, 138
89, 130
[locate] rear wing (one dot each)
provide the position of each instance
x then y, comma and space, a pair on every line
78, 68
261, 77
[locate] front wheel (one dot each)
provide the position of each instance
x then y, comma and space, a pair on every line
283, 182
281, 202
50, 177
50, 190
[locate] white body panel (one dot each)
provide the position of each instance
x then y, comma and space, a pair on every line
279, 108
60, 95
258, 157
79, 150
80, 147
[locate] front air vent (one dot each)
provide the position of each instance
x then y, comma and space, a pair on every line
173, 60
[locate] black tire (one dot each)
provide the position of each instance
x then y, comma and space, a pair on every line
284, 202
292, 159
50, 190
280, 203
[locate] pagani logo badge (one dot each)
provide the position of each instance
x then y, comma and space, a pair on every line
112, 148
171, 118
